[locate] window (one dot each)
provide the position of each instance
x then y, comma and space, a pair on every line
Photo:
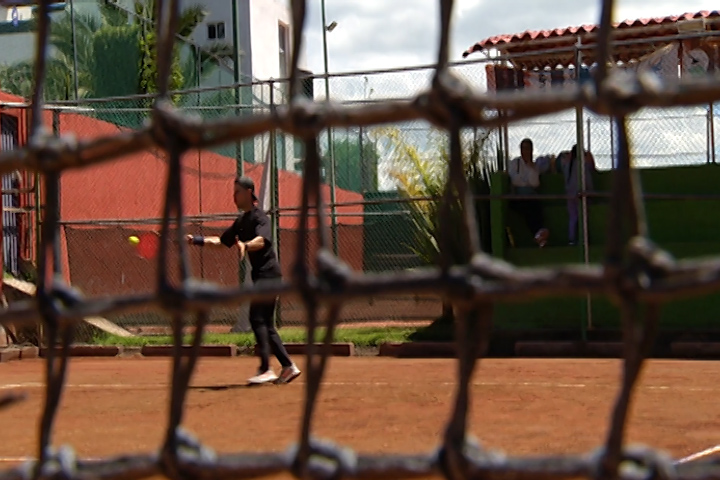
216, 31
284, 49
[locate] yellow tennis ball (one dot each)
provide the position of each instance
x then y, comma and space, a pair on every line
134, 240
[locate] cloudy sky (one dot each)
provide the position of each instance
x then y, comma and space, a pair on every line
374, 34
385, 34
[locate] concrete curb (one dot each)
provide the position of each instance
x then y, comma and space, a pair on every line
569, 349
29, 352
522, 349
205, 350
695, 350
8, 354
17, 353
336, 349
88, 351
418, 350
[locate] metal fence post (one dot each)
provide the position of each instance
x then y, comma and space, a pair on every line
583, 186
711, 123
612, 143
236, 80
57, 252
273, 207
331, 149
37, 195
588, 134
76, 83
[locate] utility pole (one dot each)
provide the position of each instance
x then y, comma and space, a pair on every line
331, 150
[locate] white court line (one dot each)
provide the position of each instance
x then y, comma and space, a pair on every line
704, 453
32, 459
150, 386
689, 458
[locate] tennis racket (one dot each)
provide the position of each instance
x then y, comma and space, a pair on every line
147, 245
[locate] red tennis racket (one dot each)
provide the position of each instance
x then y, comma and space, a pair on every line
148, 245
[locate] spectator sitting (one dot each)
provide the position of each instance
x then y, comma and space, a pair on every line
567, 161
525, 179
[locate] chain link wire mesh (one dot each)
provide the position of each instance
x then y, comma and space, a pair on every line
638, 275
360, 175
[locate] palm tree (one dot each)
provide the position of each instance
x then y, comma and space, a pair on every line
421, 173
202, 62
112, 56
59, 84
18, 79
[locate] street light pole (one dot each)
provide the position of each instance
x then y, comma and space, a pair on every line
331, 150
236, 80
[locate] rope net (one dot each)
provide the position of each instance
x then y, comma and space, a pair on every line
637, 275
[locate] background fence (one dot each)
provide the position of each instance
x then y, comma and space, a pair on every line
101, 262
374, 224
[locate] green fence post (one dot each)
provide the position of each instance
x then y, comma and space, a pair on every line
497, 215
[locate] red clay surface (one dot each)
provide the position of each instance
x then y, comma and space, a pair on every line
521, 406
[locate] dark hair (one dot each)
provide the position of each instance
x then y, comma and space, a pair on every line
526, 141
574, 152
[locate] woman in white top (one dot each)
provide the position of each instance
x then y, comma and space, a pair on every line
525, 179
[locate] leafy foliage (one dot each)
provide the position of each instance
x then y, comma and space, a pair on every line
356, 161
18, 79
202, 62
112, 55
114, 48
148, 9
420, 174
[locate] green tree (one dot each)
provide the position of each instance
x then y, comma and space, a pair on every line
422, 173
190, 17
200, 63
356, 162
114, 57
60, 83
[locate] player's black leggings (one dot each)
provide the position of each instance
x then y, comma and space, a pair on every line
263, 326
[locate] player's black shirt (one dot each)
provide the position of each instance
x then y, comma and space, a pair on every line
247, 226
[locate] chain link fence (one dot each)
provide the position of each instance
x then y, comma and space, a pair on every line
101, 261
661, 138
375, 223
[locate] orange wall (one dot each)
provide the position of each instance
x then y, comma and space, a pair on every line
134, 186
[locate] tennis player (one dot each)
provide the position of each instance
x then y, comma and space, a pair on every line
251, 234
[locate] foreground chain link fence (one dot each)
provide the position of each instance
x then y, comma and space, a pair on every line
636, 274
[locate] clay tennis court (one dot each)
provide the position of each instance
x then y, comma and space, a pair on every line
522, 406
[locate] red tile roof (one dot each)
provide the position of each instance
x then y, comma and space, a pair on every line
537, 41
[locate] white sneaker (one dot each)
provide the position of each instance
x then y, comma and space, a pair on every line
263, 377
288, 374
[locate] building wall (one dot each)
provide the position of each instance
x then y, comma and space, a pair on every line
257, 33
265, 15
17, 41
17, 47
258, 39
